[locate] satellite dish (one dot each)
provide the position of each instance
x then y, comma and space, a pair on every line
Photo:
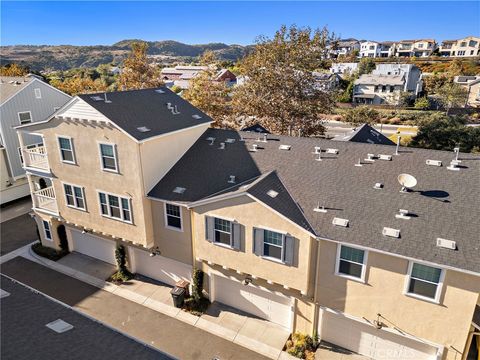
407, 181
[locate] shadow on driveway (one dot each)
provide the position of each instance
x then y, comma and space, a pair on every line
16, 233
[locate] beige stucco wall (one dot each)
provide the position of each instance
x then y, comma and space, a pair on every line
474, 95
252, 214
174, 244
446, 323
39, 217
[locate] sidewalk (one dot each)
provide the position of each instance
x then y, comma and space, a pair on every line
161, 331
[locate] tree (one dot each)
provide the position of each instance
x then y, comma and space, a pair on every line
361, 115
13, 70
208, 58
452, 95
443, 132
281, 91
79, 84
366, 66
137, 72
208, 95
422, 103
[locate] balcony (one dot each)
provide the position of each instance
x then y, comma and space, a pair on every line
35, 158
44, 199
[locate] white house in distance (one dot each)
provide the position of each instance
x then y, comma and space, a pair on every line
466, 47
370, 49
344, 47
343, 68
23, 100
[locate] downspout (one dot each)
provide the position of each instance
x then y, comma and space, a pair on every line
144, 194
315, 289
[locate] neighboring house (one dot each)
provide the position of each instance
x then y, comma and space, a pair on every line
466, 47
257, 128
413, 75
370, 49
181, 76
115, 70
23, 100
415, 48
326, 81
387, 49
344, 47
472, 85
378, 89
290, 230
343, 69
365, 134
225, 75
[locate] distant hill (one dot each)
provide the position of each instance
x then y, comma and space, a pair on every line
64, 57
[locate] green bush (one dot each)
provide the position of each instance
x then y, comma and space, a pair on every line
122, 273
196, 306
422, 103
47, 252
302, 346
197, 286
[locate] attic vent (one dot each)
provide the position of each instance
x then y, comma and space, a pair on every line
378, 186
59, 326
196, 116
272, 193
453, 165
391, 232
254, 147
403, 214
160, 91
222, 146
385, 157
447, 244
179, 190
231, 179
320, 209
96, 98
285, 147
434, 162
230, 141
370, 158
211, 140
317, 150
340, 222
173, 109
143, 129
331, 151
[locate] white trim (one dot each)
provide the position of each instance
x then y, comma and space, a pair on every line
224, 232
38, 95
171, 132
120, 197
72, 149
165, 217
45, 230
438, 292
23, 112
361, 279
282, 254
114, 146
74, 197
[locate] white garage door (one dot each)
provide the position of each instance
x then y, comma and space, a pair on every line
261, 303
369, 341
158, 267
93, 246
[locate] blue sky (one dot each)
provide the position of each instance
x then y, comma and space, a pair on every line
91, 23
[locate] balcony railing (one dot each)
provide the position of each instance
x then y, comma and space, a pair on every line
35, 158
45, 199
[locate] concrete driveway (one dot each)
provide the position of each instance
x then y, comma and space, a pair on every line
90, 266
17, 232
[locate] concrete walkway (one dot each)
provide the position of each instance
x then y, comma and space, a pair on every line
152, 327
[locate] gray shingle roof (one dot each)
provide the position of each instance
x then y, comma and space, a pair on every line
365, 134
444, 203
147, 108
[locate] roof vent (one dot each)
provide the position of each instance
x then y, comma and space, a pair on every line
59, 326
320, 209
370, 158
196, 116
385, 157
378, 186
232, 179
434, 162
391, 232
230, 141
340, 222
264, 137
173, 109
211, 140
359, 163
143, 129
403, 214
272, 193
254, 147
222, 146
179, 190
285, 147
160, 91
318, 150
96, 98
453, 165
447, 244
332, 151
105, 98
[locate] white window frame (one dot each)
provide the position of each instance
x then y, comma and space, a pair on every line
438, 293
230, 233
38, 93
283, 245
74, 197
109, 215
114, 146
364, 265
45, 230
166, 217
74, 162
23, 112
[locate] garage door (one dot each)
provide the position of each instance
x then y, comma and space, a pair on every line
93, 246
159, 268
261, 303
369, 341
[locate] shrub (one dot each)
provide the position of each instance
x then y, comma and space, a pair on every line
197, 286
422, 103
362, 115
122, 273
302, 346
47, 252
196, 306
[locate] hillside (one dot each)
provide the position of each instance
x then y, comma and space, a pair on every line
63, 57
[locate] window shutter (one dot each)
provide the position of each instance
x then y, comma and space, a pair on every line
236, 235
289, 250
258, 241
209, 228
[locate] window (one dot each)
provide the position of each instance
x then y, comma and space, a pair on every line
424, 281
461, 53
66, 150
108, 158
351, 262
392, 88
384, 88
222, 232
420, 46
38, 93
273, 244
25, 117
173, 216
74, 196
47, 231
115, 207
463, 44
